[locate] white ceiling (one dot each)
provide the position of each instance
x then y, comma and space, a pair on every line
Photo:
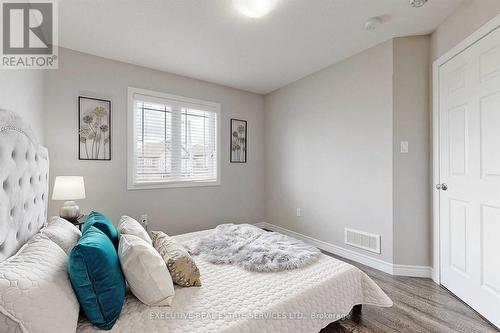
210, 40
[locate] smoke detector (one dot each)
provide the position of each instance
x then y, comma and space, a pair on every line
373, 23
417, 3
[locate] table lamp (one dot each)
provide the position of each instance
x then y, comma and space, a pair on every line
69, 188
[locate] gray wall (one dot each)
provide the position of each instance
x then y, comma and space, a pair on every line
463, 22
240, 198
333, 150
329, 150
332, 142
21, 91
412, 215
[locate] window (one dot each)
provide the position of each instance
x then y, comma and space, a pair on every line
173, 141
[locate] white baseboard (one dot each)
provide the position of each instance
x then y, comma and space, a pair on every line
381, 265
411, 270
435, 276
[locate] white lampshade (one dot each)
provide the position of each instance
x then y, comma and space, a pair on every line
68, 188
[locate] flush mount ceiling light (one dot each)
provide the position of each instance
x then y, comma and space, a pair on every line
417, 3
254, 8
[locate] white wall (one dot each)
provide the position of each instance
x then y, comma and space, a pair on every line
329, 150
21, 91
412, 191
240, 198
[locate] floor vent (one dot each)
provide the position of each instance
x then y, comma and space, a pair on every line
362, 240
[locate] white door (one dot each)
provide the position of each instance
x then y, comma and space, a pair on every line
469, 134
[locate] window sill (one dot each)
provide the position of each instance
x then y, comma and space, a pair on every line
154, 186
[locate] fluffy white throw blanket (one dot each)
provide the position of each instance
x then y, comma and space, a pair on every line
253, 248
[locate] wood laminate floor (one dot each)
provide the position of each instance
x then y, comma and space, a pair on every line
420, 305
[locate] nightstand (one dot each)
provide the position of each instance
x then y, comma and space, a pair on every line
79, 221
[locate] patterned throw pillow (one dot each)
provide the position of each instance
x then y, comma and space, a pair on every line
35, 292
180, 264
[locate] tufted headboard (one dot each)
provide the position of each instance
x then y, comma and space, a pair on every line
24, 174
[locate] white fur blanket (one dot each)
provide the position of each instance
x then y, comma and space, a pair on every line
253, 249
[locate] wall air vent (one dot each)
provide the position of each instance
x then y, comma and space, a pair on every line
362, 240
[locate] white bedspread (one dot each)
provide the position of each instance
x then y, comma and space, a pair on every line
235, 300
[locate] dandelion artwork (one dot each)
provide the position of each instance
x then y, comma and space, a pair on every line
238, 141
94, 134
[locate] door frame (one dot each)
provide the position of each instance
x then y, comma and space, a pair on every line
490, 26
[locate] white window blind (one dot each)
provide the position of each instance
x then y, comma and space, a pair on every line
174, 140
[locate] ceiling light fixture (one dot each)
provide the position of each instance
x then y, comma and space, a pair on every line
254, 8
373, 23
417, 3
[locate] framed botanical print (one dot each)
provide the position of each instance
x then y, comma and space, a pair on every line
238, 153
94, 129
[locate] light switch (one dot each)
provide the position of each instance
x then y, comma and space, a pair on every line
404, 147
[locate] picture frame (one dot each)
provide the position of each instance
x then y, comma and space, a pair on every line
94, 129
238, 147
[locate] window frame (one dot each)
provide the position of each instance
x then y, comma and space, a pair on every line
131, 145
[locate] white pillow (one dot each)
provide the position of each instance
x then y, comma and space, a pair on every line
63, 233
35, 291
145, 271
129, 226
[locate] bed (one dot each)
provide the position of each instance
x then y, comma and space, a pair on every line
235, 300
231, 298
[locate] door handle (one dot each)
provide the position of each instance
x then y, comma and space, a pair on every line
442, 186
